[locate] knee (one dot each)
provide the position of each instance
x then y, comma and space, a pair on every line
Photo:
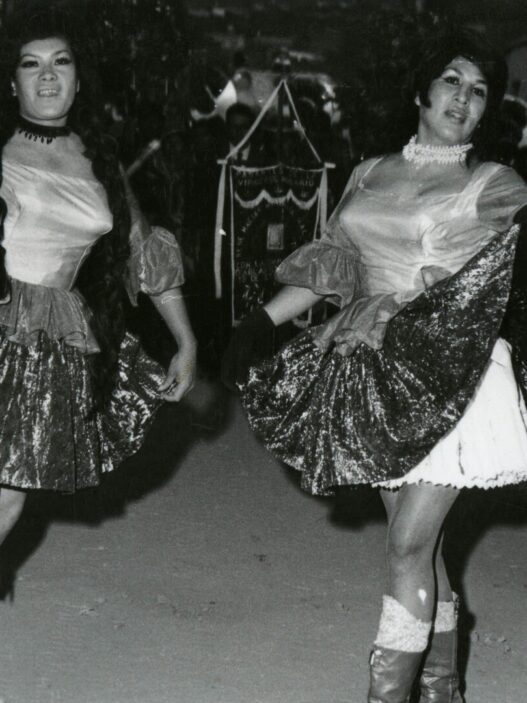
11, 504
408, 548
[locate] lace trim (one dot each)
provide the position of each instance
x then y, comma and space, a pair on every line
400, 630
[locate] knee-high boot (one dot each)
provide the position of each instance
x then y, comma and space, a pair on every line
439, 682
397, 653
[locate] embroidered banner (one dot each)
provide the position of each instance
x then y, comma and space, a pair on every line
274, 210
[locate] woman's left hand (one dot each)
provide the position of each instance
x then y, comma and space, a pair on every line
180, 376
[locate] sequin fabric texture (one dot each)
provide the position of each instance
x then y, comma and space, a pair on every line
374, 414
50, 436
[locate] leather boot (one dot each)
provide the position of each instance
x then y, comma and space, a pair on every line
392, 675
439, 682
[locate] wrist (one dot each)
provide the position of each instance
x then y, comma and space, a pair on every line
187, 344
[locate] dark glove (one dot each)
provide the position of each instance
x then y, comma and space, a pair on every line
243, 347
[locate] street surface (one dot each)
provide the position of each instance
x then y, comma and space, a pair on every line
201, 573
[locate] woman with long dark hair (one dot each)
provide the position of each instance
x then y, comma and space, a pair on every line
77, 393
413, 385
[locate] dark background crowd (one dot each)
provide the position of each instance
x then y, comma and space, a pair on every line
183, 82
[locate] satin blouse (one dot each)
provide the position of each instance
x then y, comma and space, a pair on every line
52, 223
380, 249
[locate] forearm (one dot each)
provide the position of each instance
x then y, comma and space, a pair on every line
290, 302
171, 306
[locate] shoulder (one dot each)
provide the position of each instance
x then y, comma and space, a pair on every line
360, 171
14, 171
16, 150
501, 193
364, 166
489, 173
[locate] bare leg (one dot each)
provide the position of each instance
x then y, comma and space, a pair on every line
11, 504
444, 589
415, 520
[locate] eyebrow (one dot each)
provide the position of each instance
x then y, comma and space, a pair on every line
37, 56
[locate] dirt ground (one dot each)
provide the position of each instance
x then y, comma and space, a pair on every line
201, 573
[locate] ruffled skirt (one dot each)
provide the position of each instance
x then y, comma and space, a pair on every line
50, 437
488, 446
312, 412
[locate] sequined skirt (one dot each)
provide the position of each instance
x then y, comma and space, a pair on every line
314, 411
49, 436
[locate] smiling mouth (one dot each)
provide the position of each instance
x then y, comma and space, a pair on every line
47, 93
457, 115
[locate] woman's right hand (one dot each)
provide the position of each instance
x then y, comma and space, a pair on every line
243, 347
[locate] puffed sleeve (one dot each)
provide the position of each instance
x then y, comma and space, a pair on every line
504, 194
156, 262
330, 265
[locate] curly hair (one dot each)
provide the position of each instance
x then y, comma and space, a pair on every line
473, 48
394, 57
102, 274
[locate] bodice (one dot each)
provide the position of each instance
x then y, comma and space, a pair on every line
52, 223
381, 250
409, 243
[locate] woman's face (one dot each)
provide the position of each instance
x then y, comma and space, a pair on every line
45, 81
458, 99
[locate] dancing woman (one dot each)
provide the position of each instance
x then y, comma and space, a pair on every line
410, 387
77, 394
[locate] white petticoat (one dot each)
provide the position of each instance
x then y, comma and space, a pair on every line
488, 446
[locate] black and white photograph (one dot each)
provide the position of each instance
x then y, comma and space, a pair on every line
263, 351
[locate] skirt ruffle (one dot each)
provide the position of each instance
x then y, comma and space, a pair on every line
61, 314
311, 410
50, 437
488, 446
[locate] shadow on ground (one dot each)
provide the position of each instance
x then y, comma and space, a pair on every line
472, 516
177, 427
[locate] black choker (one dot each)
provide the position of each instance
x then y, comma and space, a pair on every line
44, 132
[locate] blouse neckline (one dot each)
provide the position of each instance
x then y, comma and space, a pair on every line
47, 171
402, 197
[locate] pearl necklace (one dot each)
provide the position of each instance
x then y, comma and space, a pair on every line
420, 154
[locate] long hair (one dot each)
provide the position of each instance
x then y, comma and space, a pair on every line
101, 276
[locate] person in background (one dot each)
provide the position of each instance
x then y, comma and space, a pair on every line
513, 119
239, 119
